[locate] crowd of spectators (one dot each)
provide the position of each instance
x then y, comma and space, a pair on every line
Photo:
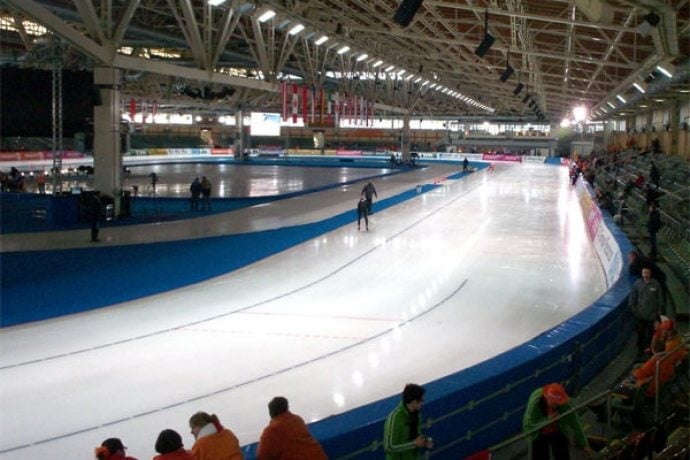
285, 437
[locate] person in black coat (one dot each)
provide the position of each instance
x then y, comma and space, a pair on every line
362, 212
369, 192
95, 215
653, 226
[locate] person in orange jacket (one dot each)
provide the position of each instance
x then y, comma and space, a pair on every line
287, 437
646, 372
213, 441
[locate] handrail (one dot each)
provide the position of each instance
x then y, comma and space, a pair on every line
582, 405
529, 433
683, 343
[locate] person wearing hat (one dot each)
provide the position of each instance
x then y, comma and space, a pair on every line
169, 446
546, 404
213, 441
112, 449
287, 436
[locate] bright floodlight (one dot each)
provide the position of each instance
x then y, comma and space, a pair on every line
215, 2
344, 49
580, 113
323, 39
297, 29
377, 63
621, 98
640, 86
565, 122
362, 57
268, 15
666, 68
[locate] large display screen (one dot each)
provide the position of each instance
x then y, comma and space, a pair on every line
265, 124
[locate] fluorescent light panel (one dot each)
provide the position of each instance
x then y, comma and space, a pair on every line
641, 87
666, 69
296, 29
267, 16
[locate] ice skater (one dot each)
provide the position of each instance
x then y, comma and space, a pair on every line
369, 192
362, 211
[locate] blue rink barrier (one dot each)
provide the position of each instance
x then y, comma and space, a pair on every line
478, 407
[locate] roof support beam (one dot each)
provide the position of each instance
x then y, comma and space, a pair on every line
41, 15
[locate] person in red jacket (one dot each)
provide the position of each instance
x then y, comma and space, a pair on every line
287, 437
112, 449
646, 372
213, 442
169, 446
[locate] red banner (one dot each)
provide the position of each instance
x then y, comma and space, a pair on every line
295, 104
501, 157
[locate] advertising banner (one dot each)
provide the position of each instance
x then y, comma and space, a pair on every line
501, 157
349, 153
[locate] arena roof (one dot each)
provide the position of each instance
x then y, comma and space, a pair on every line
190, 53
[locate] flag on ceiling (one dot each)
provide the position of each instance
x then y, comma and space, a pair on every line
295, 103
305, 103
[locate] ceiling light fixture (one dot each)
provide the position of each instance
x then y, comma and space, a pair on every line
267, 16
296, 29
640, 86
666, 68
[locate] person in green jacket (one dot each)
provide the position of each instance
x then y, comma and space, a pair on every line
547, 403
402, 432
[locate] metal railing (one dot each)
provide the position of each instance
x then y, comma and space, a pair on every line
609, 395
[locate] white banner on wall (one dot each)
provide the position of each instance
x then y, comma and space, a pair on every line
604, 243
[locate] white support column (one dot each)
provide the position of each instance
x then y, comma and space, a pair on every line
239, 141
107, 155
405, 148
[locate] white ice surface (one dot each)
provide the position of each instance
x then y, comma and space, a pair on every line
439, 283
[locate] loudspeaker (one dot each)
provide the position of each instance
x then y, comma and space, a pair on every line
506, 74
485, 44
517, 89
406, 12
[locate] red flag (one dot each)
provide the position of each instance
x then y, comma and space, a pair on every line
295, 104
132, 108
305, 103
